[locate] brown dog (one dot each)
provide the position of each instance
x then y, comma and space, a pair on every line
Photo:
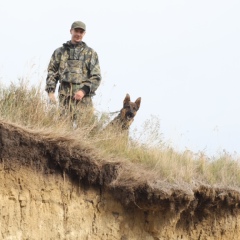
126, 115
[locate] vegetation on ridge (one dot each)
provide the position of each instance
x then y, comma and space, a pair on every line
28, 107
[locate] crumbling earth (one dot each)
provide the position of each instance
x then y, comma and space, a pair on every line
50, 189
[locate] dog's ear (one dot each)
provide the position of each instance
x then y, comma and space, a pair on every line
138, 102
126, 99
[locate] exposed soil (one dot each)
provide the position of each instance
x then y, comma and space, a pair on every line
141, 207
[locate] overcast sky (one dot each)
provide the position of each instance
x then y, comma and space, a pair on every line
181, 56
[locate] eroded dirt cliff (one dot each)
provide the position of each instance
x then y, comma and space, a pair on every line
50, 189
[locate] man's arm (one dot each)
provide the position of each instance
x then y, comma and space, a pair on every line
94, 74
53, 75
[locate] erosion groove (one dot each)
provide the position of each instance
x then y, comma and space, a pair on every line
54, 190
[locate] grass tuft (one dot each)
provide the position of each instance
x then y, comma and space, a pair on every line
27, 106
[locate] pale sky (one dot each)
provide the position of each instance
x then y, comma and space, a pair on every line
181, 56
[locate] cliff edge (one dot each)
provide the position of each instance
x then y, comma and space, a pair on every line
51, 188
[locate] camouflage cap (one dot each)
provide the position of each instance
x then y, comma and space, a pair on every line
79, 24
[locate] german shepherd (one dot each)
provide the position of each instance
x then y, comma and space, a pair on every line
126, 116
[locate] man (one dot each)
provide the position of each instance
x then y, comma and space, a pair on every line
76, 67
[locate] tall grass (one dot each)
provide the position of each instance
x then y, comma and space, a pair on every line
28, 106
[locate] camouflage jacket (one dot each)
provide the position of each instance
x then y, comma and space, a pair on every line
77, 64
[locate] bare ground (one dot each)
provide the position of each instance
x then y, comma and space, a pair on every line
187, 211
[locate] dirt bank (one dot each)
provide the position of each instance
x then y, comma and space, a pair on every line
50, 189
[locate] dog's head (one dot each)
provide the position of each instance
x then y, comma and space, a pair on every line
129, 111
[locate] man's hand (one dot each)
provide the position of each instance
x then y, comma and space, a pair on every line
79, 95
52, 98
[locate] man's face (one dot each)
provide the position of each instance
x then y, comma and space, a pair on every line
77, 35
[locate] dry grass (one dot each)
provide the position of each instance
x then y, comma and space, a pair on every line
28, 107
